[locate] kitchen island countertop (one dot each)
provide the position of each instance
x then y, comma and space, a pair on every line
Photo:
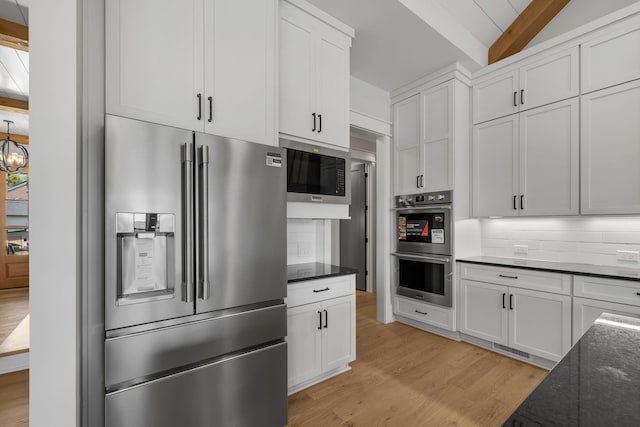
315, 270
596, 384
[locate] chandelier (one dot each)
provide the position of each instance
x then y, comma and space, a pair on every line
13, 156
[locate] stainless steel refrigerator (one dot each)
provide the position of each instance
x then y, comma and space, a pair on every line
195, 279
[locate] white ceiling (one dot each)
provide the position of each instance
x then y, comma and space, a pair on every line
14, 68
393, 46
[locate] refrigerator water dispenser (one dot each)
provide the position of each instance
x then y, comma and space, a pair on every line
145, 256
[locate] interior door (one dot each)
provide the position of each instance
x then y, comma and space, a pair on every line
144, 174
353, 232
241, 225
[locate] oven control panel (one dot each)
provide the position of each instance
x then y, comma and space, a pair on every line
424, 199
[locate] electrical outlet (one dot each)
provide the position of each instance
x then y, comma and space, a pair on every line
304, 249
521, 249
628, 256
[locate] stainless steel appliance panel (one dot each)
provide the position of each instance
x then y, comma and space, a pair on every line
132, 358
245, 216
142, 174
247, 390
420, 247
426, 278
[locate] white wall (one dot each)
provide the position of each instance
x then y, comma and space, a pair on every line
54, 211
370, 100
592, 240
577, 13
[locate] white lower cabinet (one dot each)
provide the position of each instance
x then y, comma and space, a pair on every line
321, 328
535, 322
586, 311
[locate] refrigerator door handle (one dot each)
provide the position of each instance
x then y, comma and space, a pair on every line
187, 221
203, 288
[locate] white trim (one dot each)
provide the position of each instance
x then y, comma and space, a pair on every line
371, 123
384, 230
453, 71
575, 36
323, 16
13, 363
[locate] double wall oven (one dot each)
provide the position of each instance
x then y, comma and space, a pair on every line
423, 260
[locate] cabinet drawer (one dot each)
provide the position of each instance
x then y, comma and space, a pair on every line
318, 290
621, 291
442, 318
516, 277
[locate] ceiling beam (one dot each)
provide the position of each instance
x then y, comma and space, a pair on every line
13, 35
14, 105
524, 28
20, 139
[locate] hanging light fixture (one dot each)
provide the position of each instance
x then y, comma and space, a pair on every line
13, 156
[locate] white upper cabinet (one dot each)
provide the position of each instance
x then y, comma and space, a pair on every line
610, 58
206, 65
406, 119
528, 163
155, 67
533, 83
314, 77
610, 150
240, 61
495, 167
425, 137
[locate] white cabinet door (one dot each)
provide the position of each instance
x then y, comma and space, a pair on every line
436, 145
304, 343
154, 67
540, 323
332, 100
495, 167
549, 79
496, 97
485, 311
297, 73
406, 130
586, 311
610, 151
549, 159
240, 52
610, 58
338, 344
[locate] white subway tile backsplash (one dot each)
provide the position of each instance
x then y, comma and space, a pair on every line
593, 240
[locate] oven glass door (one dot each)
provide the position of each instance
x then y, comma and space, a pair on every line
315, 173
424, 278
424, 230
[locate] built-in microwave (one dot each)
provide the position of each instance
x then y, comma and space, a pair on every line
317, 174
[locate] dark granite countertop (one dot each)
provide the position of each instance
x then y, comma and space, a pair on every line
596, 384
315, 270
611, 272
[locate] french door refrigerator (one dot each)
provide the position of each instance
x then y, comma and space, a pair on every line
195, 279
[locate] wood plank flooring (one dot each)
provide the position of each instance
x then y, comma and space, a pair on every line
403, 376
14, 329
14, 399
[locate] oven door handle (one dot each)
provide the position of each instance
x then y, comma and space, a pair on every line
423, 208
422, 258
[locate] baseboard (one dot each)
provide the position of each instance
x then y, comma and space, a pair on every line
296, 388
429, 328
531, 359
15, 362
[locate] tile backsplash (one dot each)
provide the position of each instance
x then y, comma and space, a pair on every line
312, 240
592, 240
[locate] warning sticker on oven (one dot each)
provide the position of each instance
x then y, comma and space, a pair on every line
274, 160
437, 236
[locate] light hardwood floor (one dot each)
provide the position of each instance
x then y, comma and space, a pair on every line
14, 399
403, 376
14, 321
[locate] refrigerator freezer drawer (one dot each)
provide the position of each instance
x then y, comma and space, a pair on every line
134, 358
247, 390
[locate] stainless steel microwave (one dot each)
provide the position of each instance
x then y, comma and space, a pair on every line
317, 174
